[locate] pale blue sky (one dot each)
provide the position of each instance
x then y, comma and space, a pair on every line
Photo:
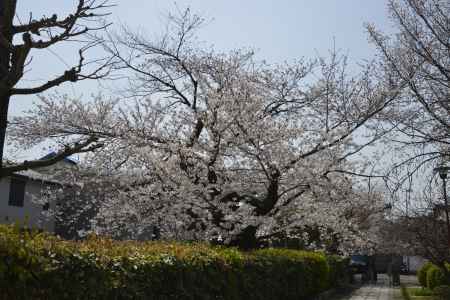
278, 30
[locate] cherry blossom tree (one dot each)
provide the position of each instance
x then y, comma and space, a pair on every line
418, 55
220, 146
18, 41
422, 230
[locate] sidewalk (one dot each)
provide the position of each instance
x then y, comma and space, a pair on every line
378, 291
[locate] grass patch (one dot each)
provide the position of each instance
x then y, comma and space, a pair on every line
404, 294
419, 291
416, 293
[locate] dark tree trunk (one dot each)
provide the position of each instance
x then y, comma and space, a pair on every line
246, 239
271, 198
4, 104
7, 12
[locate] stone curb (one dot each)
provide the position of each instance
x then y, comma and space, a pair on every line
337, 292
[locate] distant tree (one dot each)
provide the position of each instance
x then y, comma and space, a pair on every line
18, 41
422, 232
418, 55
220, 146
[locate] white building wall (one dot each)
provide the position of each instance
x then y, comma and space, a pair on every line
414, 262
31, 214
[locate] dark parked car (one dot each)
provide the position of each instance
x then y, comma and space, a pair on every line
364, 265
359, 264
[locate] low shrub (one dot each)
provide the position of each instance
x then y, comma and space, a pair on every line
422, 274
39, 266
435, 277
339, 274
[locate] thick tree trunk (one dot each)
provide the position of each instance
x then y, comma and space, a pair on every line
4, 104
271, 198
246, 239
7, 12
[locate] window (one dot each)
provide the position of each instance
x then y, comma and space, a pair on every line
16, 192
46, 206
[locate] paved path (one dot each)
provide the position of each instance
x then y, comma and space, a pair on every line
377, 291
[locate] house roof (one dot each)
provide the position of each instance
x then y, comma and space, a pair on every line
36, 176
53, 154
41, 176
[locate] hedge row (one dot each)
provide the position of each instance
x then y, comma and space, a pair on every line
40, 266
431, 276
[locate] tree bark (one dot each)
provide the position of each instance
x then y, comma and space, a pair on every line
7, 12
246, 239
4, 105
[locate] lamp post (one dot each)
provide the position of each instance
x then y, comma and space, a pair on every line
443, 170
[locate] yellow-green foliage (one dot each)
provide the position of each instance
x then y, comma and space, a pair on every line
40, 266
422, 274
421, 292
431, 276
435, 277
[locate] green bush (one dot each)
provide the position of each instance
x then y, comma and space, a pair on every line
339, 274
422, 274
40, 266
435, 277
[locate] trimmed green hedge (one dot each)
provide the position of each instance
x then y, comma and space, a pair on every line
338, 275
40, 266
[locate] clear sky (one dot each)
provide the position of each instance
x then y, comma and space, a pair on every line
279, 30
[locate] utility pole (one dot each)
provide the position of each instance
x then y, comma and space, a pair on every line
408, 199
443, 174
444, 182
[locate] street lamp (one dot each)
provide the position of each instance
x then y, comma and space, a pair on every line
443, 170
